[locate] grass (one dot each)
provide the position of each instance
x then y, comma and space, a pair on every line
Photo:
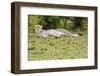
57, 48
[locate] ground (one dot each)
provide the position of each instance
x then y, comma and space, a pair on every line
57, 48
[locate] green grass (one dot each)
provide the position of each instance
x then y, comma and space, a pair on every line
57, 48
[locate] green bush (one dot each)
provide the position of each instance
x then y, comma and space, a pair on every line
54, 22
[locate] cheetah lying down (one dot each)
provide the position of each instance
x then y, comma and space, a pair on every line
51, 33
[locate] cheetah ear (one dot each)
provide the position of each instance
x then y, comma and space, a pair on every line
35, 26
41, 26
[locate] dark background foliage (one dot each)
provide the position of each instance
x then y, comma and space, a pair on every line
74, 24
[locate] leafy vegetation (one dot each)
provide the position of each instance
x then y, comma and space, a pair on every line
65, 47
76, 24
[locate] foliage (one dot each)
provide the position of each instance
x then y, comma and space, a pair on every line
53, 22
